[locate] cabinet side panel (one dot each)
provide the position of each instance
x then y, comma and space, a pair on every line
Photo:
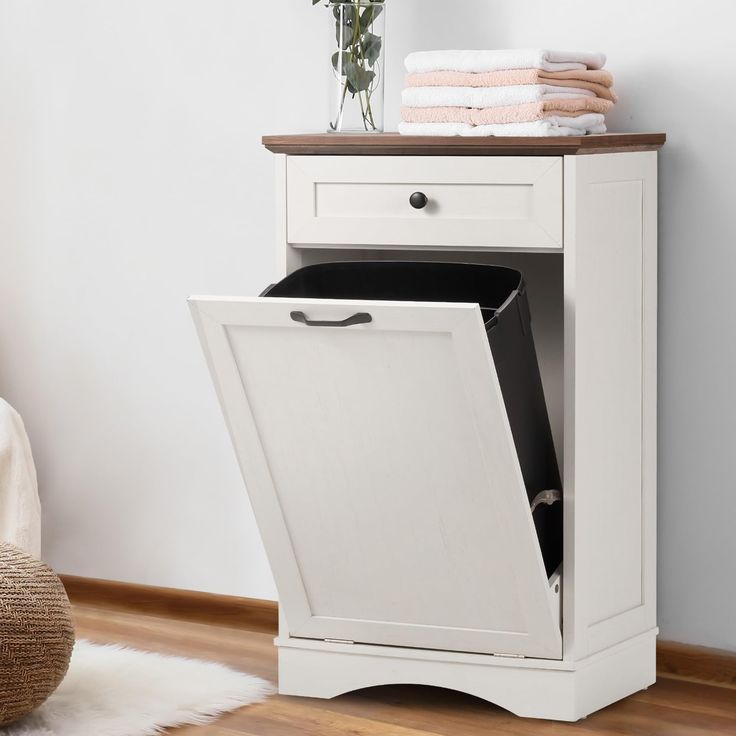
610, 303
288, 259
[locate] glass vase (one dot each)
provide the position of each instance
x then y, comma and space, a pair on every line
356, 63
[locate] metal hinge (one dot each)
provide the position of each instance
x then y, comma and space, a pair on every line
546, 497
339, 641
509, 656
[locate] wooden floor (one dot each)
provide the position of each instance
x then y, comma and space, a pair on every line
673, 707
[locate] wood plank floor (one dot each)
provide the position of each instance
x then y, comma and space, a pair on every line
673, 707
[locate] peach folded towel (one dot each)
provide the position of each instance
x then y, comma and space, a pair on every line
599, 82
507, 114
494, 60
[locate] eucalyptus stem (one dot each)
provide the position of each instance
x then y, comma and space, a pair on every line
368, 94
338, 119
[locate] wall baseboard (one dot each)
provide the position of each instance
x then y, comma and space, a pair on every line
683, 661
210, 608
690, 662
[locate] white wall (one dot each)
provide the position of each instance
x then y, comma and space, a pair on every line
131, 175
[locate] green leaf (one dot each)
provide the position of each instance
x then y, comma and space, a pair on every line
340, 59
314, 2
345, 10
343, 35
369, 15
371, 47
349, 13
359, 79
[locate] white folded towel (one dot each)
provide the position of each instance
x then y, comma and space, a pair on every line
548, 128
491, 61
487, 96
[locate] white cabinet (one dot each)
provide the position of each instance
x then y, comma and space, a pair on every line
406, 553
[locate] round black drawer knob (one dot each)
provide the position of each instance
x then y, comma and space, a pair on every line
418, 200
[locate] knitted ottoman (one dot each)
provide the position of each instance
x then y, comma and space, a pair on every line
36, 633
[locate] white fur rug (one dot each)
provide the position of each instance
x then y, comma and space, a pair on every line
116, 691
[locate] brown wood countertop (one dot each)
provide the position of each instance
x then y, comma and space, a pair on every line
393, 144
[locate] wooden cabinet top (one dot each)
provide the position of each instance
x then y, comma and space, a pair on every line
393, 144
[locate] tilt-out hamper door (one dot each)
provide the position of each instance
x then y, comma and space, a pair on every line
376, 450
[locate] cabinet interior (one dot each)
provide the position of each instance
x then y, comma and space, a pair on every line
543, 273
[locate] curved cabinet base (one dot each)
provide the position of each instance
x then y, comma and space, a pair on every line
532, 688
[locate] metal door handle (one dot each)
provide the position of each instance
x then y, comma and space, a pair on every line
359, 318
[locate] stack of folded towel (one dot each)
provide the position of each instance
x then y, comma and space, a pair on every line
524, 92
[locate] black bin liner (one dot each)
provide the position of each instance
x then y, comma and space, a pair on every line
500, 292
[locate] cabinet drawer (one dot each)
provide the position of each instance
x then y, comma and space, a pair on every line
472, 202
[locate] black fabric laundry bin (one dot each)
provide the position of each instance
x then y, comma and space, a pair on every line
501, 294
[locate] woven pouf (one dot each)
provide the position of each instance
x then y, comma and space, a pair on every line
36, 633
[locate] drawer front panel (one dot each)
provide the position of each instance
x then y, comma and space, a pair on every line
482, 202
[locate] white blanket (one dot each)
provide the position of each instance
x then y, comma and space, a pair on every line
548, 128
497, 60
20, 508
515, 94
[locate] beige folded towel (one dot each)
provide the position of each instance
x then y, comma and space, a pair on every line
596, 80
522, 113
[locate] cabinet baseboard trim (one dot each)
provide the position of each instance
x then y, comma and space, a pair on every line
673, 659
